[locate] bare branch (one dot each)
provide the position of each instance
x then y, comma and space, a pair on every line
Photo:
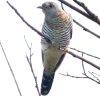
85, 60
30, 64
86, 29
85, 53
95, 77
85, 75
91, 14
72, 75
83, 65
26, 42
38, 32
11, 70
91, 79
80, 11
95, 73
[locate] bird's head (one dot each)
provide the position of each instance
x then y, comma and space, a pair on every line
50, 9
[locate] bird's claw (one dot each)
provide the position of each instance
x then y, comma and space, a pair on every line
64, 49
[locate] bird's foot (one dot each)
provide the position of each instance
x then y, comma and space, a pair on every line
64, 49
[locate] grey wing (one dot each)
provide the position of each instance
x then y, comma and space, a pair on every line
42, 57
60, 61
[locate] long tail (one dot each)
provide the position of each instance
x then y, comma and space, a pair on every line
46, 83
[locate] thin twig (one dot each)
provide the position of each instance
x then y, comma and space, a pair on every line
95, 76
72, 75
85, 76
95, 73
79, 11
11, 70
80, 77
84, 73
26, 42
37, 31
91, 79
84, 53
86, 29
83, 65
30, 64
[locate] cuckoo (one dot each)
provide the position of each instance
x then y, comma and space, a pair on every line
57, 27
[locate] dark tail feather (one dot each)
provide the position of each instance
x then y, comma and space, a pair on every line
46, 83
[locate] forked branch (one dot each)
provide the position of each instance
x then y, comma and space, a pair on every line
29, 60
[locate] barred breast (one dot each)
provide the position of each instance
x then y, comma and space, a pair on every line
58, 30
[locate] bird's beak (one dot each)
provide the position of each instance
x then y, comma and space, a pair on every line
40, 7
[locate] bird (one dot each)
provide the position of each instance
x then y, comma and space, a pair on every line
57, 27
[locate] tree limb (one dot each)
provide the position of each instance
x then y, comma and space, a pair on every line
72, 75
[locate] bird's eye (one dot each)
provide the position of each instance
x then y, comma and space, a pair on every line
50, 5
